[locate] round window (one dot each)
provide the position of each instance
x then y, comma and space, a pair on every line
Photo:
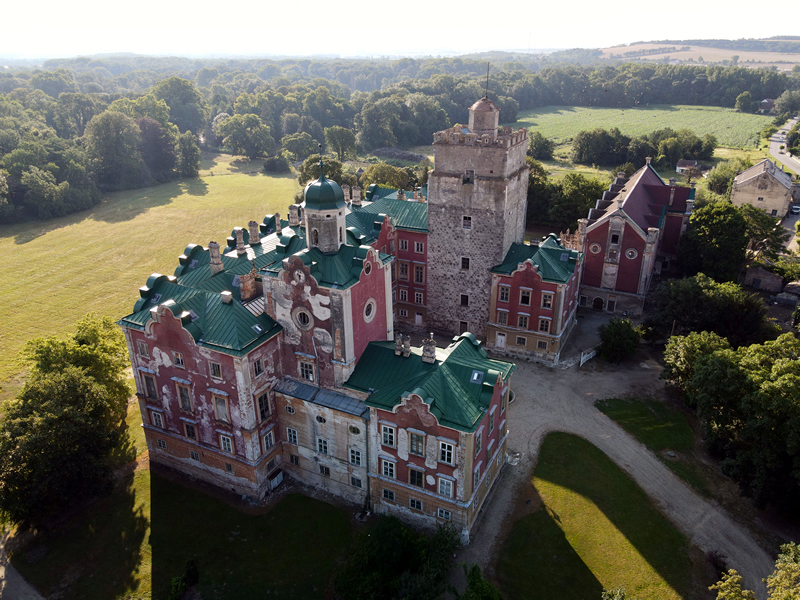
354, 430
594, 248
302, 318
320, 419
370, 308
290, 410
367, 267
631, 253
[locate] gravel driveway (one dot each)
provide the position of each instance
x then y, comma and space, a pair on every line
555, 399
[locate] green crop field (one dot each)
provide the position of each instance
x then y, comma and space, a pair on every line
54, 272
732, 129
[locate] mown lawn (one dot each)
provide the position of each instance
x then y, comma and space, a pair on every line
596, 529
54, 272
562, 123
662, 429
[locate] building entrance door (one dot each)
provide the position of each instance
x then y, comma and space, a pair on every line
418, 319
500, 340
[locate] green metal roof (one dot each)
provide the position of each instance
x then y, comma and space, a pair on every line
323, 194
555, 262
405, 214
445, 385
229, 328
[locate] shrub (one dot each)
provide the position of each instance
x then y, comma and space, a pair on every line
619, 338
277, 164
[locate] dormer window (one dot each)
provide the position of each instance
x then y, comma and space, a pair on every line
615, 238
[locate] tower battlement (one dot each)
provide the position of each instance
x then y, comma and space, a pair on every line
461, 136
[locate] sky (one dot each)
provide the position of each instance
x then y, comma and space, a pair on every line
49, 28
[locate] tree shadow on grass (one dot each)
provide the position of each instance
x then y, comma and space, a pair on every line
97, 552
537, 561
573, 463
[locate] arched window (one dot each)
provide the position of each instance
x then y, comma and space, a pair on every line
316, 237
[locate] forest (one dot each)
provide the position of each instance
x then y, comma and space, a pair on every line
79, 127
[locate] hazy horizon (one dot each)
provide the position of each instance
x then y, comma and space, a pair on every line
356, 28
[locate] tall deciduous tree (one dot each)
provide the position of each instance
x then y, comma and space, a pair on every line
186, 106
341, 141
157, 149
188, 155
299, 146
309, 170
765, 236
385, 174
715, 242
246, 135
112, 143
539, 147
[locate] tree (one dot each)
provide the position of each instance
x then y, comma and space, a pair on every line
682, 352
573, 198
112, 144
714, 242
186, 107
157, 149
539, 147
73, 113
299, 146
43, 194
386, 175
788, 102
340, 141
187, 163
600, 147
782, 584
744, 103
765, 236
145, 106
619, 339
309, 170
478, 588
246, 135
730, 587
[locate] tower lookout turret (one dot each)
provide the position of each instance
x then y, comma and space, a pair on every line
324, 209
484, 118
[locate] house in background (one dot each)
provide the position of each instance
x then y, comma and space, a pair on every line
765, 186
685, 165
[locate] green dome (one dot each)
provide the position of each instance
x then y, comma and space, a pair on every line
323, 194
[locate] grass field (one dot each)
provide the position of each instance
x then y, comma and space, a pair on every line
56, 271
596, 529
562, 123
662, 429
695, 54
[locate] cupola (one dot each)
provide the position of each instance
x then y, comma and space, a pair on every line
324, 209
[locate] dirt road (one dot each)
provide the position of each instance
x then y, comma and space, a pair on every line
554, 399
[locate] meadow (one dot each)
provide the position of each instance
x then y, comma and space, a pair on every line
56, 271
562, 123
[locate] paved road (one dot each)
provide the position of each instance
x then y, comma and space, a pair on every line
563, 400
12, 585
778, 139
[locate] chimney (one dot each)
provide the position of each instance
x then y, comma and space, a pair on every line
356, 196
398, 343
648, 159
294, 215
406, 346
226, 297
278, 228
401, 194
239, 240
346, 190
255, 236
429, 350
672, 182
216, 260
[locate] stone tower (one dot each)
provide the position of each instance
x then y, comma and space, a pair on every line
477, 196
324, 209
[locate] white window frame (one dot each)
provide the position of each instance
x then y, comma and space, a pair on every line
355, 457
177, 359
415, 504
445, 487
404, 245
157, 419
261, 416
419, 247
388, 469
306, 370
388, 436
143, 349
186, 427
418, 298
179, 387
322, 446
444, 514
421, 437
504, 295
227, 416
446, 453
269, 441
291, 435
215, 369
547, 300
355, 482
388, 495
258, 367
226, 443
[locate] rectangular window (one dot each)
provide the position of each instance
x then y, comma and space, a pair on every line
403, 245
291, 435
505, 293
466, 222
415, 504
403, 270
760, 199
502, 317
226, 444
216, 370
355, 481
324, 471
417, 444
263, 406
388, 495
547, 300
150, 387
612, 305
444, 514
194, 455
476, 479
391, 247
228, 468
446, 453
522, 321
419, 247
388, 469
177, 359
258, 367
355, 457
294, 459
541, 345
162, 444
271, 465
582, 301
464, 299
221, 408
446, 488
184, 398
403, 295
403, 313
418, 297
144, 351
491, 422
322, 446
522, 340
157, 419
478, 443
463, 327
394, 276
419, 274
416, 478
387, 435
525, 297
191, 433
544, 325
465, 263
269, 441
615, 238
307, 371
